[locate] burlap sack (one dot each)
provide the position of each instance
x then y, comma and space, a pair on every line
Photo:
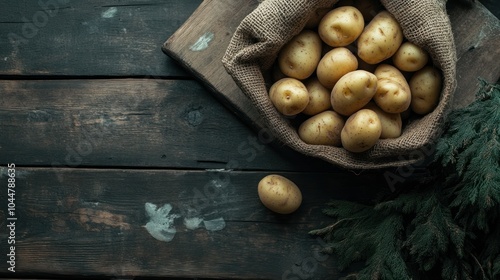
260, 36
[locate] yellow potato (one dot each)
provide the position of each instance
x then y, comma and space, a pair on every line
361, 131
289, 96
335, 64
410, 57
393, 92
322, 129
319, 97
391, 123
353, 91
279, 194
380, 39
341, 26
300, 56
425, 87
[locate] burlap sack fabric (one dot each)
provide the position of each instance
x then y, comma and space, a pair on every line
260, 36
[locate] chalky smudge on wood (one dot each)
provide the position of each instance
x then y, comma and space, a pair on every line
109, 13
161, 225
202, 42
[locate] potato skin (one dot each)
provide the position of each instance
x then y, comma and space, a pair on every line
393, 92
322, 129
319, 97
380, 39
353, 91
410, 57
341, 26
279, 194
300, 56
289, 96
361, 131
391, 123
425, 86
335, 64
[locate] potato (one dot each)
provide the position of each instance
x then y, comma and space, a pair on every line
393, 92
410, 57
341, 26
380, 39
319, 97
391, 123
362, 65
300, 56
335, 64
425, 87
361, 131
289, 96
279, 194
353, 91
322, 129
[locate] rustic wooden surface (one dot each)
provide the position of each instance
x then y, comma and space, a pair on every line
100, 124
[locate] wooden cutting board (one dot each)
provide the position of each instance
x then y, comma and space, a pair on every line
200, 44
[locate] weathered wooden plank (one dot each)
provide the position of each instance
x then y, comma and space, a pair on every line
492, 6
89, 38
92, 222
129, 122
206, 62
475, 30
477, 37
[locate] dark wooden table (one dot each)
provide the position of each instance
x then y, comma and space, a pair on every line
127, 166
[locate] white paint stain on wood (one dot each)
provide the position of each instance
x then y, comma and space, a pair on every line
109, 13
161, 224
215, 224
202, 42
192, 223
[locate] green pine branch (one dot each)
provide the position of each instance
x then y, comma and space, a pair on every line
447, 229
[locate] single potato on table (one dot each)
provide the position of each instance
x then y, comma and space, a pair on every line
353, 91
289, 96
300, 56
425, 87
393, 92
322, 129
380, 39
335, 64
341, 26
279, 194
361, 131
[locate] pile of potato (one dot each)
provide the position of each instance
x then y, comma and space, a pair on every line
354, 77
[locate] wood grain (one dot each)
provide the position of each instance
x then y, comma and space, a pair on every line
129, 123
220, 18
477, 37
91, 222
90, 38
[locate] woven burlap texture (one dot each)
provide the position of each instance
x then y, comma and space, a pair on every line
262, 33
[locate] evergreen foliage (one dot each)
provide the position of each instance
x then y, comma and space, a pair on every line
447, 227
